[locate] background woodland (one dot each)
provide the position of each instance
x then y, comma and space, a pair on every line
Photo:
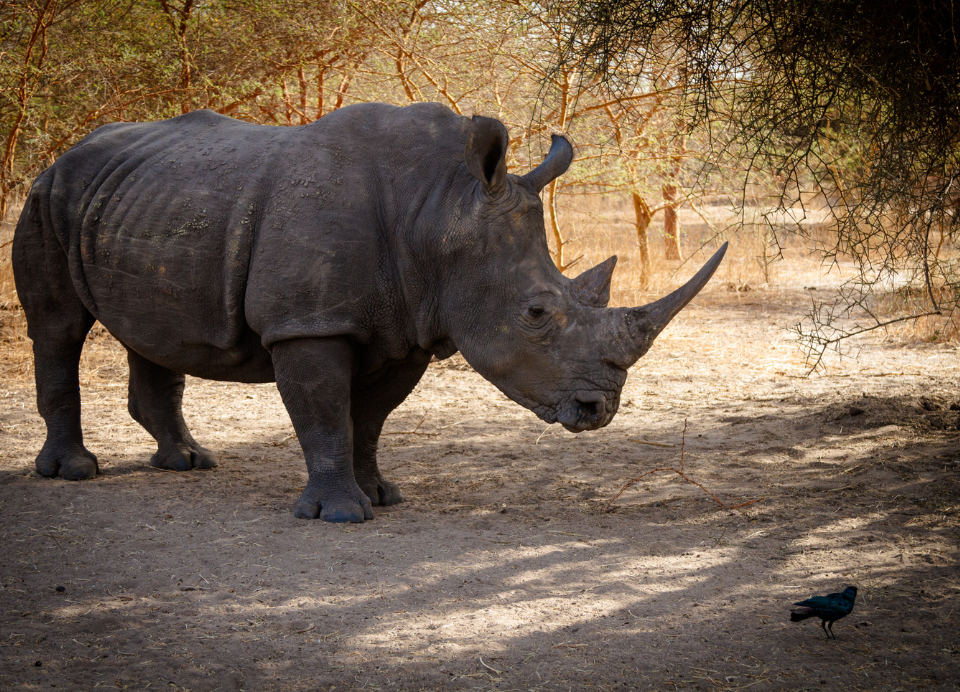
829, 127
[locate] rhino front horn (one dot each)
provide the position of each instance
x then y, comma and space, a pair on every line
636, 328
556, 164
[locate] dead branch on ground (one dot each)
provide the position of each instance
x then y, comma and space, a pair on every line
680, 472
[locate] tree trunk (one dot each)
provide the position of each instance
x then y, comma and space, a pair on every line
644, 215
321, 72
302, 82
287, 106
185, 68
672, 201
22, 93
344, 87
671, 223
555, 223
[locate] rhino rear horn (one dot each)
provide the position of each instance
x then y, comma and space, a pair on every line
556, 164
486, 152
636, 328
592, 287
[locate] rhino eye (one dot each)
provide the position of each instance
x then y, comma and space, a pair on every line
535, 311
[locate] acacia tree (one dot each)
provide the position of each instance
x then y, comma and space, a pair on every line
24, 39
860, 98
499, 64
490, 64
637, 134
68, 66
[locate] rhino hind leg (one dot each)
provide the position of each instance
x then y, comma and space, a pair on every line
372, 401
155, 401
380, 491
58, 324
56, 364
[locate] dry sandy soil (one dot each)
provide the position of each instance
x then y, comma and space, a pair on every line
507, 568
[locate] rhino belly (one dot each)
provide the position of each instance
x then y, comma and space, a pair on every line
178, 303
176, 320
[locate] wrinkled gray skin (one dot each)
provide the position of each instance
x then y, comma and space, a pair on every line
333, 258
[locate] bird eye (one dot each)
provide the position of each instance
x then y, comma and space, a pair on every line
535, 311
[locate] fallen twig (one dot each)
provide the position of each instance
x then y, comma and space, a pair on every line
498, 672
542, 434
680, 472
157, 468
415, 431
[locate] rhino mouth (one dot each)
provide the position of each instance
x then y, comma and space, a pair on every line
587, 410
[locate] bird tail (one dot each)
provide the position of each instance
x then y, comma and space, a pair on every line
798, 615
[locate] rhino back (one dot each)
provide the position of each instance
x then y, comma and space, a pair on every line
201, 240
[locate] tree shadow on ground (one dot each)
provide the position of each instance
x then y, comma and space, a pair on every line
505, 569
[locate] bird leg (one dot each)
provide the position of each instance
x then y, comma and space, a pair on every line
823, 625
830, 625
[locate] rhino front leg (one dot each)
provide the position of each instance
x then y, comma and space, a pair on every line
374, 398
155, 401
314, 378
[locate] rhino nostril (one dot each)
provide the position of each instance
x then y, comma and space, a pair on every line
590, 410
591, 402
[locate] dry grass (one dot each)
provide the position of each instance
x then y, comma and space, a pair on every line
943, 328
936, 328
597, 227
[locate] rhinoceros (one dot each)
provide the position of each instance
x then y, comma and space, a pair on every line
335, 259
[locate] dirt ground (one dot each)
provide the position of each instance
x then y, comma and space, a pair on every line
506, 569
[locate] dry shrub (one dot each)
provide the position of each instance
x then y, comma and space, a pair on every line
603, 225
932, 328
943, 328
917, 299
898, 281
908, 273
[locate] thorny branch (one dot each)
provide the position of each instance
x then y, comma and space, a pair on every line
820, 334
680, 472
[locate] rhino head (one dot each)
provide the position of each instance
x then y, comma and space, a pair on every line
548, 342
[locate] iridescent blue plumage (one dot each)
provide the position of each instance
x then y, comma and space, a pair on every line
829, 608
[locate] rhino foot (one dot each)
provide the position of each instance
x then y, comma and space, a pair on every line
74, 463
183, 457
337, 510
381, 491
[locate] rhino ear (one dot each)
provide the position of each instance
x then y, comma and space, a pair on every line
486, 152
592, 287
